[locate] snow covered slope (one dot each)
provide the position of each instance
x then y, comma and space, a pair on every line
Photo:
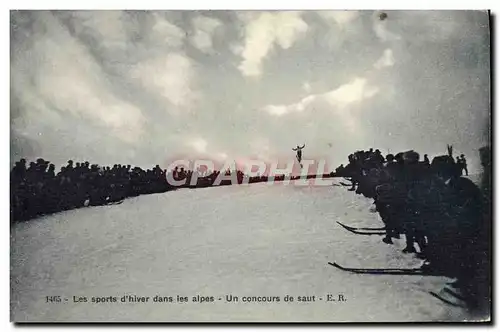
257, 240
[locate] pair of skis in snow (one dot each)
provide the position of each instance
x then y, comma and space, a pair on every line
447, 296
372, 231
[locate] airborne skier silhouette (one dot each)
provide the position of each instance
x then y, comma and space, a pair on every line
299, 153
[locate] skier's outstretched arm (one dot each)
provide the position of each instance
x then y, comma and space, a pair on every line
303, 146
294, 149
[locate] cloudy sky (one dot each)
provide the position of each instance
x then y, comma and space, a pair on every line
148, 87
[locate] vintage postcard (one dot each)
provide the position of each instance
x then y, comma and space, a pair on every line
250, 166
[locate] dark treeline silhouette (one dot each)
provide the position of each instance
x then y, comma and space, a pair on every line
445, 214
36, 189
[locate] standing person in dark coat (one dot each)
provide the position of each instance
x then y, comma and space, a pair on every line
463, 163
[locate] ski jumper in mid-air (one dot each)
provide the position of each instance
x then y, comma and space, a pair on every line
299, 153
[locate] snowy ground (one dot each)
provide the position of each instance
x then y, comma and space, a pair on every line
241, 240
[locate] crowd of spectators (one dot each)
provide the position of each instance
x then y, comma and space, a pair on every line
446, 215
